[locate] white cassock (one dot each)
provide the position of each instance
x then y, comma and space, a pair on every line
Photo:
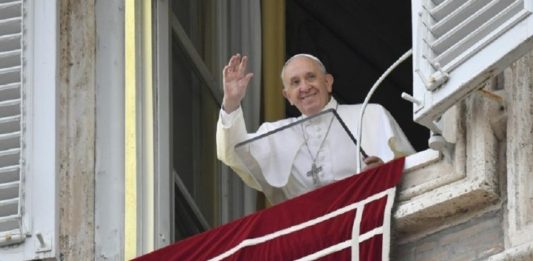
280, 164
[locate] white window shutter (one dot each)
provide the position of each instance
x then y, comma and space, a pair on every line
10, 122
457, 44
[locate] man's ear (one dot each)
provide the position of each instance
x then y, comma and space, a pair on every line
329, 82
284, 92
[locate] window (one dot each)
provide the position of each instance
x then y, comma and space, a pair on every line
202, 35
174, 184
28, 220
458, 44
195, 102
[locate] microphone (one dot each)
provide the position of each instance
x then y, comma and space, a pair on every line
367, 99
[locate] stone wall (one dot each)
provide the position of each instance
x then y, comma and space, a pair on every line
476, 239
76, 129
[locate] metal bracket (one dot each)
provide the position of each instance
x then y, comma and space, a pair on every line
418, 103
437, 79
44, 243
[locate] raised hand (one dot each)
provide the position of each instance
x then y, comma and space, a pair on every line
235, 82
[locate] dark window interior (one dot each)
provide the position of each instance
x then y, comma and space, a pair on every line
357, 41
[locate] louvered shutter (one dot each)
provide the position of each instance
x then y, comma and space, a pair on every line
457, 44
10, 122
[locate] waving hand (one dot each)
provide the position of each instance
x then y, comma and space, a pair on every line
235, 80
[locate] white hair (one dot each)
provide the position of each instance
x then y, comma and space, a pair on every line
312, 57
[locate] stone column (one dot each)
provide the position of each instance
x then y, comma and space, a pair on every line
76, 129
519, 88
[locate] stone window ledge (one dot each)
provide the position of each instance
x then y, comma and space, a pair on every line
441, 189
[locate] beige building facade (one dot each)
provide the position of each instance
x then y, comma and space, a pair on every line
110, 168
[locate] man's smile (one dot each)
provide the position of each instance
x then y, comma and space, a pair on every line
307, 96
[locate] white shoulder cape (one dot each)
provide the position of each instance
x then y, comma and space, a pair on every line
270, 159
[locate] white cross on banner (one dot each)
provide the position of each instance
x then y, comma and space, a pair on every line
345, 220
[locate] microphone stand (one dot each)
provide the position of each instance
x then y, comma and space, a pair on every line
367, 99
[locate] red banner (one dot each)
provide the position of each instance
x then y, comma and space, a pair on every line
345, 220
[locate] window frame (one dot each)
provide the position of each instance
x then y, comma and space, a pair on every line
39, 155
444, 184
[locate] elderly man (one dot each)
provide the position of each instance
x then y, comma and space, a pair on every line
307, 86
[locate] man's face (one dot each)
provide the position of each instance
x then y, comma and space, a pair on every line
306, 86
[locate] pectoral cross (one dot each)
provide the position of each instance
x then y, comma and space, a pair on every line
314, 173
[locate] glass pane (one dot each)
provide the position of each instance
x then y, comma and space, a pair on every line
198, 20
309, 135
195, 114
